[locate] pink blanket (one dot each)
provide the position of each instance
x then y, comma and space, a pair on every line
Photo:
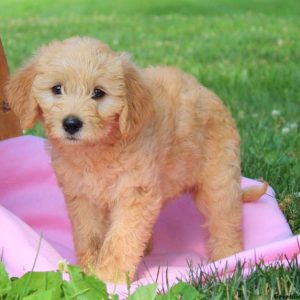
33, 219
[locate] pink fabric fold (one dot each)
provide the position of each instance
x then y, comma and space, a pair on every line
35, 230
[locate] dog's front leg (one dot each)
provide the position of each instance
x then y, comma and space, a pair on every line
89, 226
132, 221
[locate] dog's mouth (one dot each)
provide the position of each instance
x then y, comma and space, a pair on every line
72, 138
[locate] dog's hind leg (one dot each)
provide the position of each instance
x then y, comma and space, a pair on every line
219, 197
219, 200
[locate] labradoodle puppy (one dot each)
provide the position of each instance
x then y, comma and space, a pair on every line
123, 141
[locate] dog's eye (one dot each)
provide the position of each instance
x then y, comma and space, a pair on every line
56, 89
98, 94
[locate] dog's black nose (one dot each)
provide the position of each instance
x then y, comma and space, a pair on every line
72, 124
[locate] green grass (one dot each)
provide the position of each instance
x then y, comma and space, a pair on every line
277, 282
248, 52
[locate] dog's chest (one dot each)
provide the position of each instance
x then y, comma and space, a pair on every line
97, 185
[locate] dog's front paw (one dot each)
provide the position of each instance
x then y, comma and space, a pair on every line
111, 275
88, 261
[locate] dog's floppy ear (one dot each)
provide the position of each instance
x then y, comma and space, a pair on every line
19, 95
138, 105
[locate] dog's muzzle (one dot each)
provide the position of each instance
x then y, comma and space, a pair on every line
72, 124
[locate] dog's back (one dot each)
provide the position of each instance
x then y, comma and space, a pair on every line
188, 119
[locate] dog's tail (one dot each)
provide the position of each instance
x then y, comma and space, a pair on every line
253, 193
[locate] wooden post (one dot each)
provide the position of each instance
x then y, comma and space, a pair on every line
9, 123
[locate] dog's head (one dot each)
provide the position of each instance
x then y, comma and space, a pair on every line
82, 91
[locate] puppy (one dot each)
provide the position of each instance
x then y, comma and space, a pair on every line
125, 140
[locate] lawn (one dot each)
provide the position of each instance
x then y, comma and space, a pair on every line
248, 52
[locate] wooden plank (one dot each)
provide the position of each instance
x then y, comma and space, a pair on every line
9, 123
